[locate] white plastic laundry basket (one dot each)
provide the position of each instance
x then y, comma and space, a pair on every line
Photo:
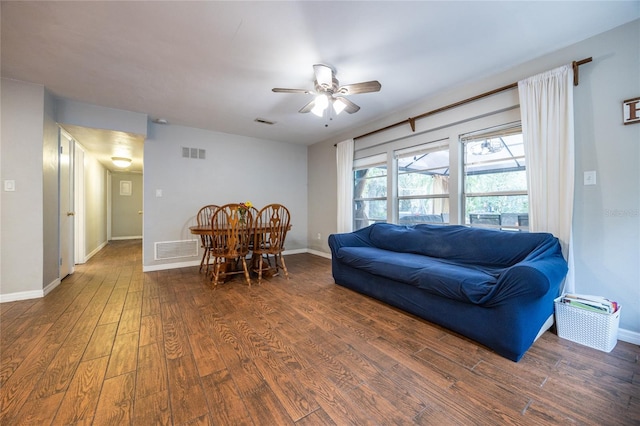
593, 329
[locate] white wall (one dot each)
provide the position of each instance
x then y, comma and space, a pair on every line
95, 204
51, 209
22, 210
607, 216
236, 169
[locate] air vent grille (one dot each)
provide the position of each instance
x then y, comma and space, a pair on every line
175, 249
264, 121
194, 153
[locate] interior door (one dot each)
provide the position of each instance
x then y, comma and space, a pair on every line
66, 205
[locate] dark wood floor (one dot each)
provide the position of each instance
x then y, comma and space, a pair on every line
114, 346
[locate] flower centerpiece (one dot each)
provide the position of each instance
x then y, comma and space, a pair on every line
242, 209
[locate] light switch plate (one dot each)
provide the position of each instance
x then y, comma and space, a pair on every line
9, 185
590, 177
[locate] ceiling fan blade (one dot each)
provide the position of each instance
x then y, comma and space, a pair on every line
324, 75
308, 107
365, 87
281, 90
350, 106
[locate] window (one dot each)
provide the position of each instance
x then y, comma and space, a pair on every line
370, 191
423, 184
495, 182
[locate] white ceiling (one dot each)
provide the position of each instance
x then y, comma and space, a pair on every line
212, 64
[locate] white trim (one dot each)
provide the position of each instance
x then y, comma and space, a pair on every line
546, 326
21, 295
131, 237
164, 266
319, 253
629, 336
55, 283
295, 251
94, 252
370, 161
177, 265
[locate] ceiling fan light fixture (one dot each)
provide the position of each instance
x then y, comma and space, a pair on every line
339, 105
121, 162
320, 104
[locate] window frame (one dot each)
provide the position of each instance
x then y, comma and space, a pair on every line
502, 131
363, 164
421, 150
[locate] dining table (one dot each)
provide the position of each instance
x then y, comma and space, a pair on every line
206, 230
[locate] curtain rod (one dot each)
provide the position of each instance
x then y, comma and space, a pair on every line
412, 120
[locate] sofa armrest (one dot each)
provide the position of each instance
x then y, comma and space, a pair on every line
359, 238
530, 280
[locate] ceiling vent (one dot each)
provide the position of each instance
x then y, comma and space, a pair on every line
263, 121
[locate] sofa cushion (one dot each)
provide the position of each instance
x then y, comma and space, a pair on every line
459, 244
444, 278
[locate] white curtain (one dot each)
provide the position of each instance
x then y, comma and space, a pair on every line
546, 107
344, 160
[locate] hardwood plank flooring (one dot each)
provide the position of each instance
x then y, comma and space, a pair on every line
115, 346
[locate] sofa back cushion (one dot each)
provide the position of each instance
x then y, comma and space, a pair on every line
462, 244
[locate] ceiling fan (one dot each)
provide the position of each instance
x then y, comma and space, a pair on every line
329, 92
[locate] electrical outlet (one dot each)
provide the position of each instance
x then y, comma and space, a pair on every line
590, 177
319, 236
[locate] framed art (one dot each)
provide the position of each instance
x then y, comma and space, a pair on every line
125, 187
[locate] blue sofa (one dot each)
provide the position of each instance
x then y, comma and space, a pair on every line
495, 287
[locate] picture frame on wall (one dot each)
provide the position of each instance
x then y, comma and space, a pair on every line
125, 187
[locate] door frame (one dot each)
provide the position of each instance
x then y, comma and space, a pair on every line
79, 228
66, 200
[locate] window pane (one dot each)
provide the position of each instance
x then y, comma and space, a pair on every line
370, 196
370, 183
368, 212
423, 210
496, 153
495, 181
423, 180
501, 210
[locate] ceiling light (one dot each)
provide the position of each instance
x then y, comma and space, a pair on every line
121, 162
161, 121
320, 104
339, 105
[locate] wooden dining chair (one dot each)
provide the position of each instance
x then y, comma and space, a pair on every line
204, 218
271, 226
230, 234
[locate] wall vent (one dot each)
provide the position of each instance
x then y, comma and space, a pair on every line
194, 153
176, 249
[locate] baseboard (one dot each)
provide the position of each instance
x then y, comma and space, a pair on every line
94, 252
629, 336
165, 266
319, 253
21, 295
51, 286
132, 237
177, 265
295, 251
